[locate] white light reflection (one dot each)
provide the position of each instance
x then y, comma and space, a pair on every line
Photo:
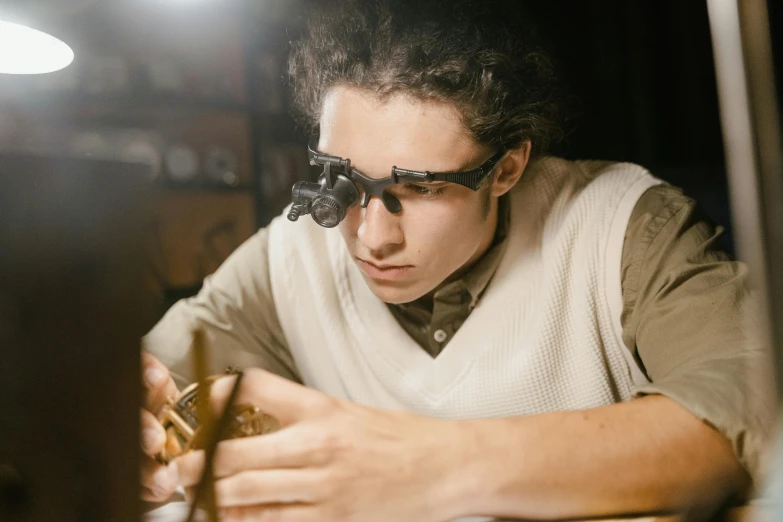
27, 51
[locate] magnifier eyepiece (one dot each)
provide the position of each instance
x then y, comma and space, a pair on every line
294, 213
327, 211
328, 205
302, 194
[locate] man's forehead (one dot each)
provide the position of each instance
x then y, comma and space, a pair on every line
399, 131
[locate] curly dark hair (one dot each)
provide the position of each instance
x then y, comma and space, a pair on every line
477, 55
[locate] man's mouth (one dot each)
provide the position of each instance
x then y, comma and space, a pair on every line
383, 271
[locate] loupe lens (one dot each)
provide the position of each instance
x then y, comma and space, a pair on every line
327, 212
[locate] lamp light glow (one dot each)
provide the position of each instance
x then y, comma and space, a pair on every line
24, 50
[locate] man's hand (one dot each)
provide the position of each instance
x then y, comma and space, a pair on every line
158, 482
332, 460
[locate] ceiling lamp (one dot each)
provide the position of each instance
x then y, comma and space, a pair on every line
27, 51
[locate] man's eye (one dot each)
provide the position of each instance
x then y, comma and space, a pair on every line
426, 191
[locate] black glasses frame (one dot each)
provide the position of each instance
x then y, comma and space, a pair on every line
335, 166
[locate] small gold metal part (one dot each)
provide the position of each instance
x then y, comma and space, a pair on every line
183, 429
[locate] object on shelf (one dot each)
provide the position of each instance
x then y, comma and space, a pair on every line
91, 144
142, 146
143, 152
181, 163
221, 165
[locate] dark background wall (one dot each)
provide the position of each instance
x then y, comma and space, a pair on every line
643, 89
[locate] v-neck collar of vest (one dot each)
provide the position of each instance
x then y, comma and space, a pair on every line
388, 342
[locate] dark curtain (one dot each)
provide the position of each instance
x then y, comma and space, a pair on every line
642, 88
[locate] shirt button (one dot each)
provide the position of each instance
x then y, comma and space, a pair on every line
440, 336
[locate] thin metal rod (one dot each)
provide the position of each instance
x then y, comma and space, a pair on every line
738, 136
757, 43
753, 145
206, 489
754, 157
213, 438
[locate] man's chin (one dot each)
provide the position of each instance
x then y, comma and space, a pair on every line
394, 293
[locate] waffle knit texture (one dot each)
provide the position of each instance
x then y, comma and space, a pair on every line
546, 335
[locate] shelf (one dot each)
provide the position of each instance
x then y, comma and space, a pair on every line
115, 101
171, 186
137, 101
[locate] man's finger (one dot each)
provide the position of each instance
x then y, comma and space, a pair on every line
148, 495
284, 399
153, 436
157, 381
270, 487
287, 448
157, 480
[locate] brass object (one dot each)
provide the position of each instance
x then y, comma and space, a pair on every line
181, 421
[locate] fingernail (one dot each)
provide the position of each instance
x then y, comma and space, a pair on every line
154, 377
173, 473
150, 438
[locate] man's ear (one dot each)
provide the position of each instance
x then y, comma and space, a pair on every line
510, 169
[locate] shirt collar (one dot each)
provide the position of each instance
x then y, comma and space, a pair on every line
477, 278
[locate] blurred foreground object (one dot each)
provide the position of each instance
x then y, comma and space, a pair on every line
72, 310
754, 157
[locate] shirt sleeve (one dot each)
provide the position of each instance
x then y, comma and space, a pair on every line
689, 319
236, 311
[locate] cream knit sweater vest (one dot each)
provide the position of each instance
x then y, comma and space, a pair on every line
545, 336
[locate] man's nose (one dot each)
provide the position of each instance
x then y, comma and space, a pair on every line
380, 228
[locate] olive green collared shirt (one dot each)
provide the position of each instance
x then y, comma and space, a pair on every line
685, 305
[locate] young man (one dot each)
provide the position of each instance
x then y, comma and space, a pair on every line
538, 339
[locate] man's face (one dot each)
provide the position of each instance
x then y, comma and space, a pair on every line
442, 228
